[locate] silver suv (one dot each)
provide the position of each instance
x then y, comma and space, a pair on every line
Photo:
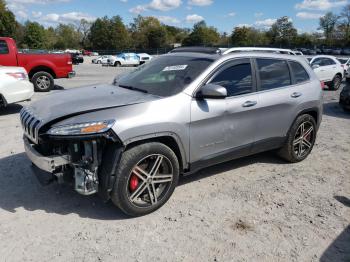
131, 140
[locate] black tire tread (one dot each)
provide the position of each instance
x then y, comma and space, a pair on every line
286, 152
123, 170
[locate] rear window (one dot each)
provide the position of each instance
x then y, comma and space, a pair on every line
273, 73
3, 47
299, 73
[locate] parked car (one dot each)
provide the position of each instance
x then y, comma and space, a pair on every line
124, 59
326, 51
41, 68
77, 59
336, 51
144, 58
329, 70
130, 142
94, 54
344, 100
318, 51
99, 59
87, 53
346, 51
345, 62
14, 85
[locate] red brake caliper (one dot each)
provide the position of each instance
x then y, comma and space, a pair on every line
134, 182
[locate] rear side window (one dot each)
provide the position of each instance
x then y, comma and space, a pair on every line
236, 79
3, 48
299, 73
273, 73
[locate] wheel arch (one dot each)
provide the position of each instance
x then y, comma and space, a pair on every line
37, 69
169, 139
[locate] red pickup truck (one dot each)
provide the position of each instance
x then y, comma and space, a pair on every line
42, 68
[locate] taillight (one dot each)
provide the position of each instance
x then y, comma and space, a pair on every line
18, 75
322, 85
69, 62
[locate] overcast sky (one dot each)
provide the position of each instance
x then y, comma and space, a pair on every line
224, 15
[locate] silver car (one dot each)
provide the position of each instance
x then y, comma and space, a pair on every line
184, 111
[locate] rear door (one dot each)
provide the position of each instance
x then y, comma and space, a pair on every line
280, 90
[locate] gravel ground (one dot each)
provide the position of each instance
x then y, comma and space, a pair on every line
257, 208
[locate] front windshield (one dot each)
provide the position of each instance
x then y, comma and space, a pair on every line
165, 75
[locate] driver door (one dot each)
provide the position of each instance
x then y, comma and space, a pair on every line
222, 129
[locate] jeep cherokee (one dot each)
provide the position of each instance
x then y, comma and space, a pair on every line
184, 111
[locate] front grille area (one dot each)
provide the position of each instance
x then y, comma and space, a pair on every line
30, 124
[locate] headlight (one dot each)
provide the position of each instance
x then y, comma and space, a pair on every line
82, 128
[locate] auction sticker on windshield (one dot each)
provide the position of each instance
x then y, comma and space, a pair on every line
175, 68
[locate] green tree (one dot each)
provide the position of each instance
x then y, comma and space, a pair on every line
67, 37
8, 24
108, 33
345, 22
202, 35
282, 32
148, 32
34, 35
328, 24
84, 31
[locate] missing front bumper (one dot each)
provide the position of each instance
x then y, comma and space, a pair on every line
45, 163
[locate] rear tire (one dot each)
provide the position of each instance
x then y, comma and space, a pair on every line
138, 190
336, 82
300, 139
117, 64
43, 81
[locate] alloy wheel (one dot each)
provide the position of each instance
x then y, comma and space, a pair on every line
43, 82
304, 139
150, 180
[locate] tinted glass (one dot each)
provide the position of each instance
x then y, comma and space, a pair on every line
273, 73
342, 61
299, 73
236, 79
3, 47
166, 75
328, 61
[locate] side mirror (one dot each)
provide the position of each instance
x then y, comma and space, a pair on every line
212, 91
315, 66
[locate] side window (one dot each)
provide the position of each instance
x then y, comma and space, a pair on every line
299, 73
328, 61
236, 79
3, 48
318, 61
273, 73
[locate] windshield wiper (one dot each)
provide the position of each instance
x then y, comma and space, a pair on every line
133, 88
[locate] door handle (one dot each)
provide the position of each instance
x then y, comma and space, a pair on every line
249, 103
296, 94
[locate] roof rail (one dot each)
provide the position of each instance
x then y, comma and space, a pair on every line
204, 50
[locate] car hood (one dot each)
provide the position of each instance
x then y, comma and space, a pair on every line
80, 100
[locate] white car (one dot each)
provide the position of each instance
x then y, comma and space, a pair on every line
345, 63
14, 85
144, 58
124, 59
329, 70
99, 59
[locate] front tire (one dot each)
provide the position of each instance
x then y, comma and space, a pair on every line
336, 82
300, 140
117, 64
146, 177
43, 81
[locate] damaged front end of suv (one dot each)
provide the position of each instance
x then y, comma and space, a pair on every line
72, 153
